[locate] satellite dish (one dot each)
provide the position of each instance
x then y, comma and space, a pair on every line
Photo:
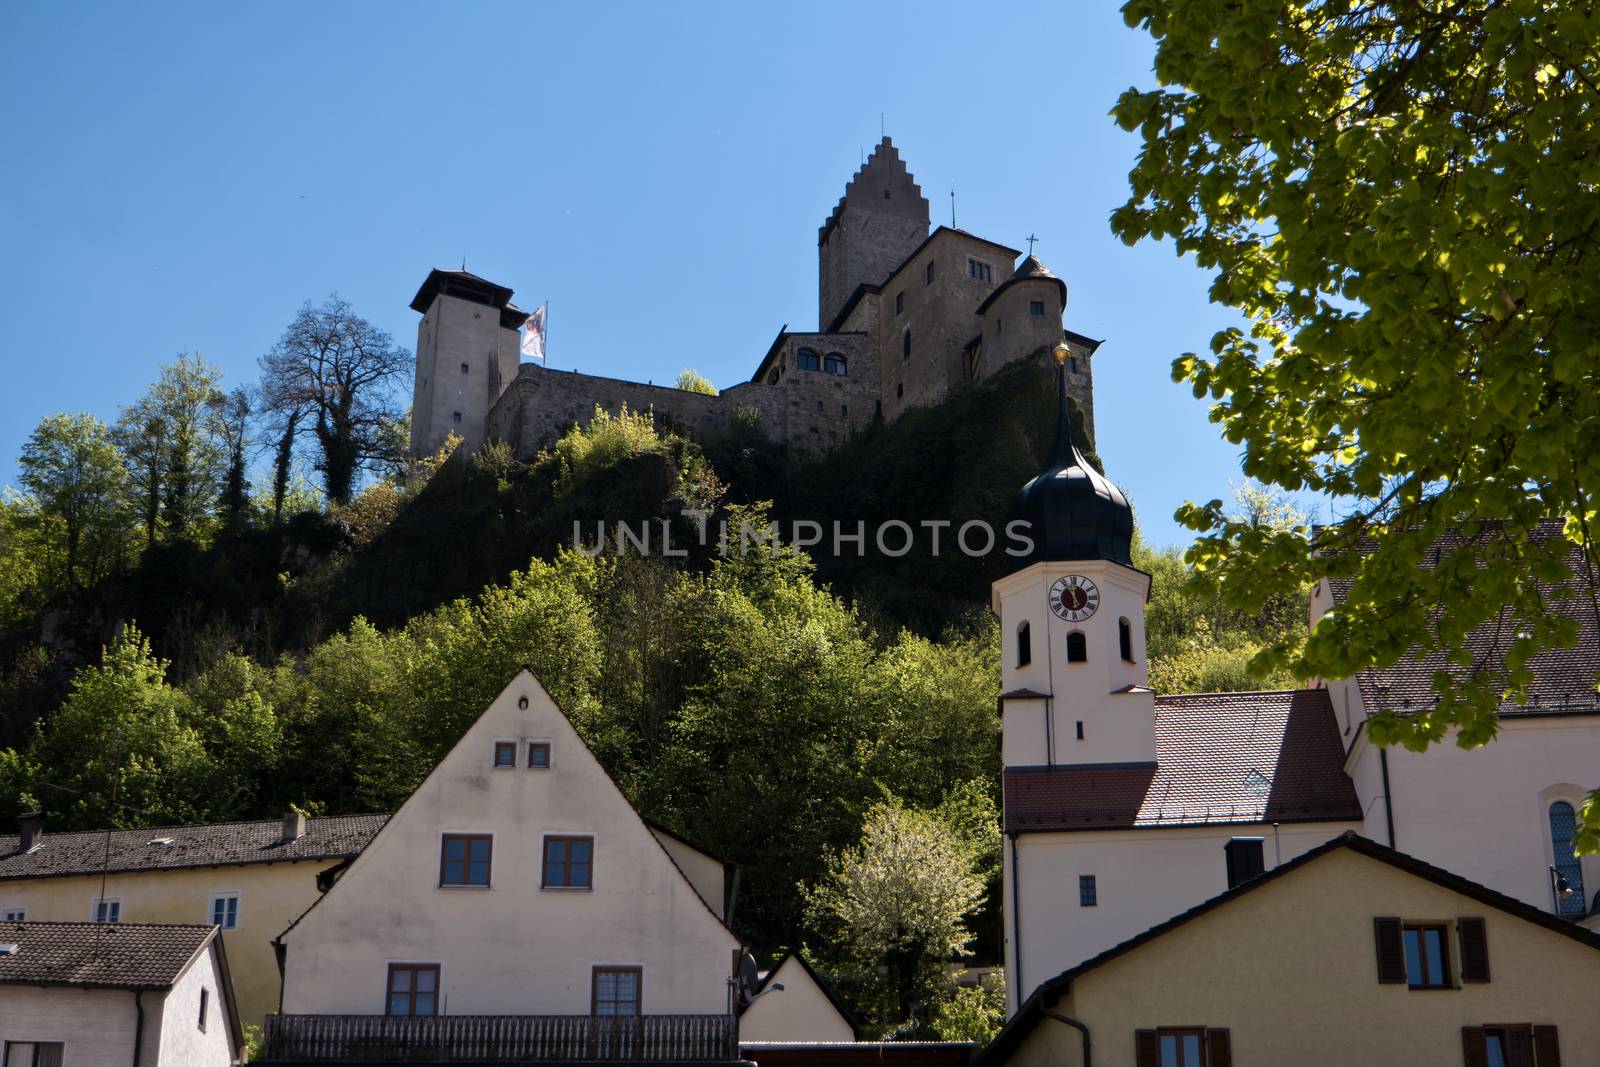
749, 978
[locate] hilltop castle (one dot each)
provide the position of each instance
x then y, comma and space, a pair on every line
905, 317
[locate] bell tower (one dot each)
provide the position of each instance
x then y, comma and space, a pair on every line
1075, 681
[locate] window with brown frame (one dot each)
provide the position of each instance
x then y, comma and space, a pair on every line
616, 990
505, 753
1427, 949
539, 755
1183, 1046
413, 989
568, 863
1510, 1045
465, 859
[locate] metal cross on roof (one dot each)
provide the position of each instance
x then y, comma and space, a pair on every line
1031, 240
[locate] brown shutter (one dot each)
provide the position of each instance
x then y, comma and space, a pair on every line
1391, 952
1474, 950
1519, 1047
1146, 1050
1220, 1048
1547, 1046
1474, 1051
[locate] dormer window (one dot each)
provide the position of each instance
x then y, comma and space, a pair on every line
1077, 647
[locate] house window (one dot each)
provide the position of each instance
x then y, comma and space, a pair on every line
979, 270
464, 859
1246, 858
1182, 1046
225, 910
899, 303
1024, 645
1563, 823
1036, 307
807, 359
617, 990
568, 863
108, 910
1088, 895
929, 273
413, 989
33, 1053
505, 753
1125, 639
14, 915
1077, 647
834, 363
1427, 956
205, 1002
1080, 729
1511, 1045
539, 755
905, 345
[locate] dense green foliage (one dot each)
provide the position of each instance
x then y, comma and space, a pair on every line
1402, 199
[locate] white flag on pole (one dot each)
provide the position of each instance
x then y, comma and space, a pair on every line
533, 333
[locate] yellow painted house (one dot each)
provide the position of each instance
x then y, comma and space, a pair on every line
252, 879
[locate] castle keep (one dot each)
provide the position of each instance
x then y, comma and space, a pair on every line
905, 317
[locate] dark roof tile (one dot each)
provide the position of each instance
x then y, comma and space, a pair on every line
110, 955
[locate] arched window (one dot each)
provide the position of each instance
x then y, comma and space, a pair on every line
905, 345
1077, 647
1024, 645
834, 363
806, 359
1563, 823
1125, 639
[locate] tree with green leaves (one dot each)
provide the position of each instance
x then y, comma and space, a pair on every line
336, 373
231, 414
1400, 200
171, 440
71, 468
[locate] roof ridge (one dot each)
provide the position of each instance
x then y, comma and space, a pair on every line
57, 834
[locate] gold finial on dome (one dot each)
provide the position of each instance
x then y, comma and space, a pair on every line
1061, 352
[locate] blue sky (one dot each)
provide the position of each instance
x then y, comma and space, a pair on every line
183, 177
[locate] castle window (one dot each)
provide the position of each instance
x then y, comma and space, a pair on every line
835, 363
1125, 639
899, 303
905, 345
899, 390
457, 415
807, 359
844, 411
1036, 307
465, 369
979, 270
1077, 647
1024, 645
929, 275
1072, 364
819, 407
1563, 823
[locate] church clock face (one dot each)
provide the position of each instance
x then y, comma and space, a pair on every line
1074, 597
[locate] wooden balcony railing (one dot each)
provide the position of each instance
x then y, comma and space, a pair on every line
498, 1038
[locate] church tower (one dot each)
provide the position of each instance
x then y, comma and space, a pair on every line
1074, 675
880, 220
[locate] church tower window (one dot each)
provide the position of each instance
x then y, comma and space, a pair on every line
1024, 645
1125, 639
1563, 823
1077, 647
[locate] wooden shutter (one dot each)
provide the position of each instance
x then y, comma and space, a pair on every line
1391, 951
1546, 1046
1519, 1046
1474, 1051
1220, 1048
1146, 1049
1474, 950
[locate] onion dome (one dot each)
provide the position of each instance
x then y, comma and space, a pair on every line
1073, 511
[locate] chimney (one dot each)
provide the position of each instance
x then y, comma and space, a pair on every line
294, 826
30, 826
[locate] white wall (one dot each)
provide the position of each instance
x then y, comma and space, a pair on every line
800, 1011
513, 948
96, 1026
704, 871
178, 1019
1142, 877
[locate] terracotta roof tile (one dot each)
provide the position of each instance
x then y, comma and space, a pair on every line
113, 955
1220, 758
216, 844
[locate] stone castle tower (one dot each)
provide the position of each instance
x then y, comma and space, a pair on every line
906, 317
